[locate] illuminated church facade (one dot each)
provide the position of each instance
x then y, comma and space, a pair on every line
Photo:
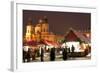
39, 32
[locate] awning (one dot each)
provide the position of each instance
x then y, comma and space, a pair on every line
51, 43
30, 43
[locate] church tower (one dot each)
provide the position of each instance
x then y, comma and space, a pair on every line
42, 29
45, 25
29, 30
42, 26
38, 28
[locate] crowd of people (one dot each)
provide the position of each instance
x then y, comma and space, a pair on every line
30, 54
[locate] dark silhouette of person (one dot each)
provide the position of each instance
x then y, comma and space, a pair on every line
33, 55
73, 49
69, 49
24, 55
28, 54
64, 53
42, 54
89, 49
37, 52
48, 49
52, 54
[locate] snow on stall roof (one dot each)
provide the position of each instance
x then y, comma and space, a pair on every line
79, 35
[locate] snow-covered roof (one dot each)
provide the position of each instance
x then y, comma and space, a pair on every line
79, 35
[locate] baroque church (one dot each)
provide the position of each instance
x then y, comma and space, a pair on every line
39, 32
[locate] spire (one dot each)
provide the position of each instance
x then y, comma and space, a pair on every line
45, 19
29, 21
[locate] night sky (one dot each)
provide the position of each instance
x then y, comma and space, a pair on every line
59, 22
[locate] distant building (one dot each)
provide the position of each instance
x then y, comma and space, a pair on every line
39, 32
